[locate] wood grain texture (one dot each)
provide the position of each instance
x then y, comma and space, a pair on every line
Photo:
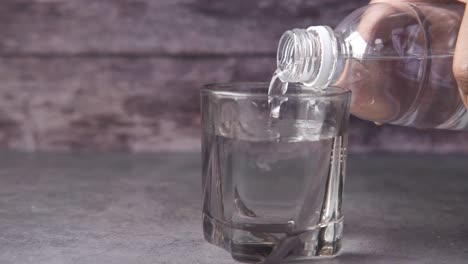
124, 75
158, 27
110, 104
125, 104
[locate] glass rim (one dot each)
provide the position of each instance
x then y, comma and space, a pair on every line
244, 89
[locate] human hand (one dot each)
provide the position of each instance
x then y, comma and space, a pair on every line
460, 62
385, 91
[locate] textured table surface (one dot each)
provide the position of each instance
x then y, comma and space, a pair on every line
121, 209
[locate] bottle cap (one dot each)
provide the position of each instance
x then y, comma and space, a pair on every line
328, 58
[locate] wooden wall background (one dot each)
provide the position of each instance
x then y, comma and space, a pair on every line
124, 75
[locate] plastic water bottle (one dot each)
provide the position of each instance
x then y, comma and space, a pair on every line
396, 58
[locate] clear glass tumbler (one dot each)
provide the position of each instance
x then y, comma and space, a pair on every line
272, 186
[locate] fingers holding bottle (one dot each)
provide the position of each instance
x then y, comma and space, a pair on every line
380, 92
460, 62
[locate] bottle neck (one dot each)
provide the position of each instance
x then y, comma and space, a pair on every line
308, 56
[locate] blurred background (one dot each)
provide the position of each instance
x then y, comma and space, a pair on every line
124, 75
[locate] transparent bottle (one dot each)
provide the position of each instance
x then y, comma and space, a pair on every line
395, 58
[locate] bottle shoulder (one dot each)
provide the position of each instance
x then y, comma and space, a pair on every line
400, 30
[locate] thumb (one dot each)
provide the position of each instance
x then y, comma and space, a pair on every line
460, 61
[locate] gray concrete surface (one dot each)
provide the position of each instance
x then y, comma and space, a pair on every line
144, 209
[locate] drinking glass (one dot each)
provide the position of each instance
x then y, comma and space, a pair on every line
272, 186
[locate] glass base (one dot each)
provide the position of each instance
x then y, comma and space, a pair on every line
255, 244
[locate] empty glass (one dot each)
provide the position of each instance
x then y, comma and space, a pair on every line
272, 186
